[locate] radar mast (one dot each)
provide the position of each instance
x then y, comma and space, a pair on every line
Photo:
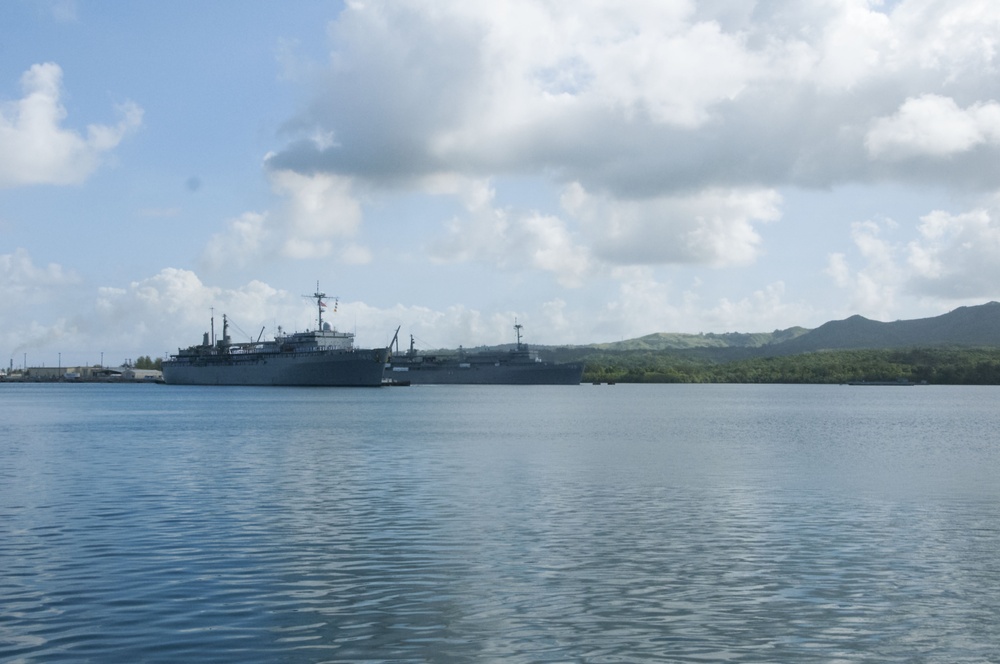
321, 305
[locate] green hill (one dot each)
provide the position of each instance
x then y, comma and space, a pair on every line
678, 341
965, 326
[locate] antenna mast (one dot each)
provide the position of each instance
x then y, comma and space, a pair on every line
320, 304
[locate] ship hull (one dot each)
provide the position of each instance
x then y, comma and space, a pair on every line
465, 373
354, 368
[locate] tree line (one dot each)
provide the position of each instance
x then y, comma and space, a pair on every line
146, 362
935, 366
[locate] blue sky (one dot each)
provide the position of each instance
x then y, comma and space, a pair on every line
597, 170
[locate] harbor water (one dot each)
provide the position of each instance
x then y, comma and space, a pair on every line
625, 523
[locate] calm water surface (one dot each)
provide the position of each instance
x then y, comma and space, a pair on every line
677, 523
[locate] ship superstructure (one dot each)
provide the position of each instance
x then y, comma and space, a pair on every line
518, 366
320, 357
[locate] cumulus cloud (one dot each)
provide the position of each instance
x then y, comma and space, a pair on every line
317, 216
21, 279
34, 146
516, 241
951, 260
599, 232
319, 208
645, 303
244, 239
855, 43
955, 256
507, 86
510, 239
620, 97
952, 39
711, 226
35, 292
872, 289
934, 126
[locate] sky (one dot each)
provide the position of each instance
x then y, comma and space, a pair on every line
596, 171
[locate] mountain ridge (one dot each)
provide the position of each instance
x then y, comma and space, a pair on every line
975, 325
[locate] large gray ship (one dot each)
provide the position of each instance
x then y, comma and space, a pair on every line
519, 366
321, 357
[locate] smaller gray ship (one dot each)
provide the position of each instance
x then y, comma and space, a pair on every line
321, 357
519, 366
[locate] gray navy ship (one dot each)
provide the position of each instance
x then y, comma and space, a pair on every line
519, 366
321, 357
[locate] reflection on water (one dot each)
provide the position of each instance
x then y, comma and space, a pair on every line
598, 524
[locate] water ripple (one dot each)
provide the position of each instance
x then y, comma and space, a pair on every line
430, 525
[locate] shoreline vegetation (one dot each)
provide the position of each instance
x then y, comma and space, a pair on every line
933, 366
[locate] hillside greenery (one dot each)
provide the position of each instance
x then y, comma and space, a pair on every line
681, 341
944, 366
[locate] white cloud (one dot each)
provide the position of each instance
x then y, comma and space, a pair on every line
712, 226
857, 43
644, 304
244, 239
34, 292
955, 256
510, 239
554, 250
21, 279
934, 126
873, 289
318, 209
36, 149
839, 270
642, 99
653, 60
955, 39
317, 215
951, 261
763, 309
